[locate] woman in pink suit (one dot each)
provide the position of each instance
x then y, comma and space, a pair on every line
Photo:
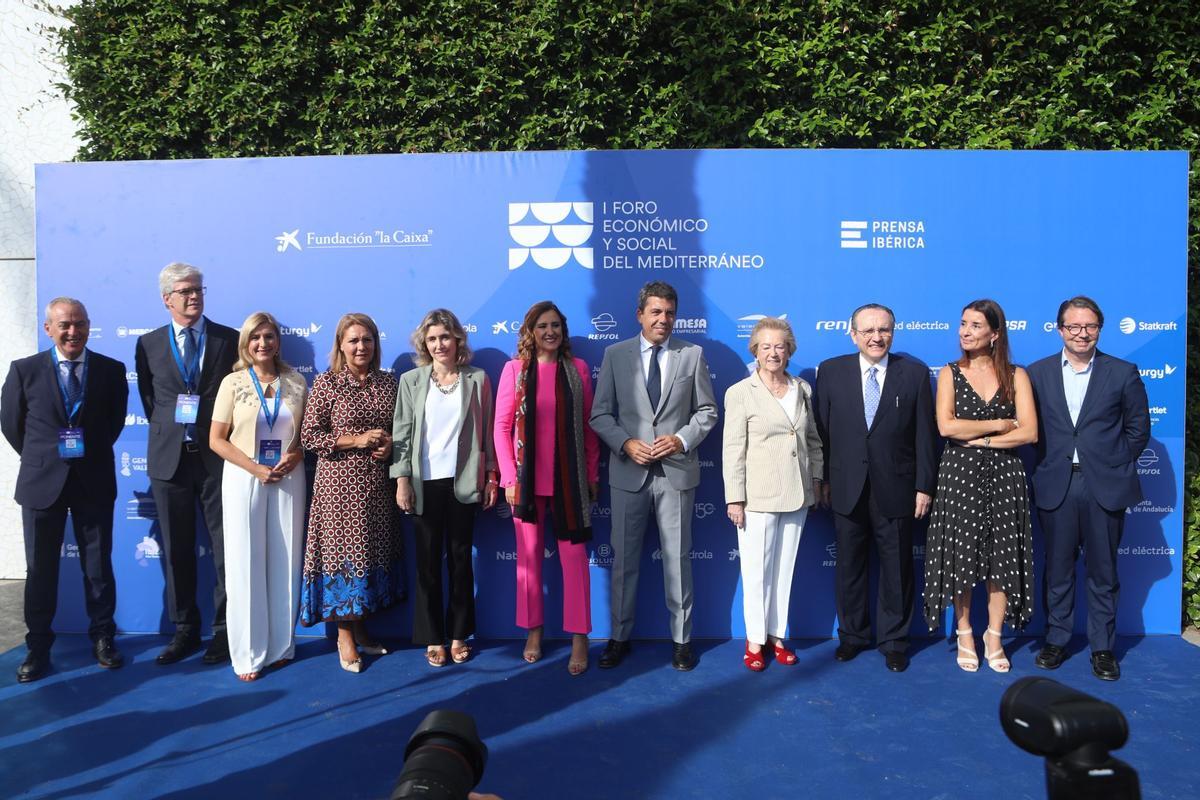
549, 458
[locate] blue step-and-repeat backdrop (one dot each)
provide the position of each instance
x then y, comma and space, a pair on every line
806, 235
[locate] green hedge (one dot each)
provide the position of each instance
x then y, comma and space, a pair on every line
202, 78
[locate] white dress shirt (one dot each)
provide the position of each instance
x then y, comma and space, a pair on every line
664, 359
864, 367
1075, 386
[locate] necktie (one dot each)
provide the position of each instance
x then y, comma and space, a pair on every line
654, 378
74, 387
871, 396
189, 347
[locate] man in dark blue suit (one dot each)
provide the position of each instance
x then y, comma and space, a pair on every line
179, 368
62, 411
1093, 423
875, 417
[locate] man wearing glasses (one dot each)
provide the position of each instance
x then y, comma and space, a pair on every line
179, 367
875, 417
1093, 423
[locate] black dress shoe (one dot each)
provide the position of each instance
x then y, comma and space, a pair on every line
182, 645
1105, 666
846, 651
682, 657
1051, 656
218, 649
896, 661
614, 653
33, 667
107, 654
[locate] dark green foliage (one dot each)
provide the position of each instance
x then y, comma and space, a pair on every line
213, 78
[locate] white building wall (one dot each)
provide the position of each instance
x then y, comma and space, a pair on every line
35, 127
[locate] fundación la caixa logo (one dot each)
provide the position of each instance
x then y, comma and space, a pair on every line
551, 234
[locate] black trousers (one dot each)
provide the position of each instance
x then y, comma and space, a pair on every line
44, 531
176, 502
445, 525
1081, 522
894, 603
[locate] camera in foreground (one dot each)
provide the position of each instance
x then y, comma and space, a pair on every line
444, 758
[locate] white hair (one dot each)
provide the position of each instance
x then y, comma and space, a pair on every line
175, 272
64, 301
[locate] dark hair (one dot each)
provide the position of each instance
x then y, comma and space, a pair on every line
526, 346
1080, 301
660, 289
1001, 360
868, 307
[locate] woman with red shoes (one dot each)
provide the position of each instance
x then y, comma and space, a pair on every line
771, 457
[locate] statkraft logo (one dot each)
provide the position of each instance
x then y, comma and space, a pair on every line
147, 550
303, 331
1130, 325
882, 234
604, 324
745, 325
550, 233
123, 331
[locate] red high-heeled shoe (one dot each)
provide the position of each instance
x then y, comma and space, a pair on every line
754, 661
783, 655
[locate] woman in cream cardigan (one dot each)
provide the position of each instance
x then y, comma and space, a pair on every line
445, 467
256, 429
771, 454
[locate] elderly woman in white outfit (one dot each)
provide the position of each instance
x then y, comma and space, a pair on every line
771, 453
256, 429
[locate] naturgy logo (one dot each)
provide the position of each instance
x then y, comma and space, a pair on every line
545, 233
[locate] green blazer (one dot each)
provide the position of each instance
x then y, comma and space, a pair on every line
476, 453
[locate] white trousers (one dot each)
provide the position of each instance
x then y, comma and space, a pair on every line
767, 549
264, 531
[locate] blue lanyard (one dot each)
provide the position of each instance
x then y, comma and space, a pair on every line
262, 398
70, 411
188, 374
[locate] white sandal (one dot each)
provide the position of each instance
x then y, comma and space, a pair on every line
996, 658
969, 663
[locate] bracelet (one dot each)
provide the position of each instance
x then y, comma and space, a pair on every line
987, 441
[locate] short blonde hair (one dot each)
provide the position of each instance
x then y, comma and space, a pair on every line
252, 323
336, 358
444, 317
773, 324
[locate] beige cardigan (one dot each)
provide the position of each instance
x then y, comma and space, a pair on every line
237, 404
768, 463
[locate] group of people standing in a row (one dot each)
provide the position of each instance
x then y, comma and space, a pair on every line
230, 421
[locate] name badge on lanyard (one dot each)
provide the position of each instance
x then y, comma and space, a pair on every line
270, 451
70, 438
187, 404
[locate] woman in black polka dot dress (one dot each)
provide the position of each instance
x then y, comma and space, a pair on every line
979, 528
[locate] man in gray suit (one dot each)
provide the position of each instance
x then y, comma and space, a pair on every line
654, 404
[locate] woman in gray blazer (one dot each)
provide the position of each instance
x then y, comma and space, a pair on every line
444, 463
771, 457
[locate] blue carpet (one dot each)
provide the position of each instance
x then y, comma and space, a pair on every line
818, 729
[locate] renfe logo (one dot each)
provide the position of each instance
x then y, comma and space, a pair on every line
531, 224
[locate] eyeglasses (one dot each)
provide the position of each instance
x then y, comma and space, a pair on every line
1075, 330
874, 332
191, 291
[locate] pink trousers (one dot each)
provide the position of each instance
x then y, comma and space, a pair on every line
577, 587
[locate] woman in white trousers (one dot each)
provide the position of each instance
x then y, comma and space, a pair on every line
771, 453
255, 428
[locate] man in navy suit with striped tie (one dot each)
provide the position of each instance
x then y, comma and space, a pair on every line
62, 411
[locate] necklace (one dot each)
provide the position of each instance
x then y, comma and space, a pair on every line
446, 390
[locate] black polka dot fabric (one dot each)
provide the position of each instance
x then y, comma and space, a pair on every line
979, 527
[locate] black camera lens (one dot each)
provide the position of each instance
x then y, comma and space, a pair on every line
444, 759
